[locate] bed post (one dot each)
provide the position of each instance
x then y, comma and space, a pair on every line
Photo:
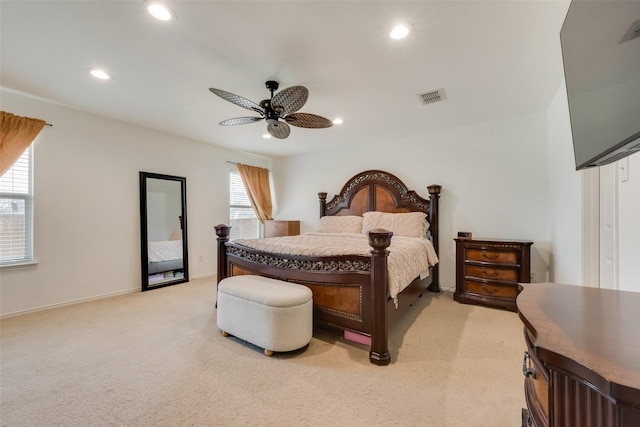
323, 203
222, 231
434, 196
379, 240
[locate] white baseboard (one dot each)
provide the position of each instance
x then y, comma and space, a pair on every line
72, 302
93, 298
203, 276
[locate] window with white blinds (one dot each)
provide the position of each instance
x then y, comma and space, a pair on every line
16, 211
244, 223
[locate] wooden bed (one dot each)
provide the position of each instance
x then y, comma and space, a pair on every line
349, 291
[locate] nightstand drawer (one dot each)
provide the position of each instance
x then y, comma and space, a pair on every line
488, 255
492, 273
492, 290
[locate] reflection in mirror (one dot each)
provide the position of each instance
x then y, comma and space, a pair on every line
163, 230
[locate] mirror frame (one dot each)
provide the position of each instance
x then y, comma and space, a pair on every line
144, 249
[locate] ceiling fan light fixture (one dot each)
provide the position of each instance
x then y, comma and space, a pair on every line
266, 136
399, 32
159, 11
337, 121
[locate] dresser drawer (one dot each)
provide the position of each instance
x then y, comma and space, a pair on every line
536, 385
487, 255
276, 228
510, 274
491, 289
536, 394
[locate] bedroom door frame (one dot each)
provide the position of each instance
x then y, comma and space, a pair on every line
591, 227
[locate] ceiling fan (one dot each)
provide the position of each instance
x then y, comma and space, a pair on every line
279, 111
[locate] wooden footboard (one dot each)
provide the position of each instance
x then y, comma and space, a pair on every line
349, 292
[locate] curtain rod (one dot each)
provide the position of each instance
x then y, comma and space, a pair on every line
234, 163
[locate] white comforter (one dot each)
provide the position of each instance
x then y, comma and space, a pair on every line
408, 256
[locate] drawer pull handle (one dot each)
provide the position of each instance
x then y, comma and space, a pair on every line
490, 256
527, 371
490, 290
490, 273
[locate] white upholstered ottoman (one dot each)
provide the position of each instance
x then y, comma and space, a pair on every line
269, 313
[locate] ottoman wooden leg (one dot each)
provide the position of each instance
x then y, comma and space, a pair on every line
268, 353
225, 333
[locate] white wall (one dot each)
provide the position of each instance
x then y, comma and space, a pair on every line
87, 217
565, 195
494, 177
513, 179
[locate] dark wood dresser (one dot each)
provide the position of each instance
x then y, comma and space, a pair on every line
488, 271
276, 228
582, 363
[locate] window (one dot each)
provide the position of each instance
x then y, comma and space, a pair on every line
244, 223
16, 211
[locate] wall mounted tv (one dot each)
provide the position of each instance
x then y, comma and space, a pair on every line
600, 43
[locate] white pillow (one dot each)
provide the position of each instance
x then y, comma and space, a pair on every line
340, 224
411, 224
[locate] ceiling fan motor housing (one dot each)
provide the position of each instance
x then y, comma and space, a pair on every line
270, 114
272, 85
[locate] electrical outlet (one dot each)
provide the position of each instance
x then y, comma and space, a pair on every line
200, 258
533, 276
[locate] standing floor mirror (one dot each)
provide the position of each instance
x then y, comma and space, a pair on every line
163, 230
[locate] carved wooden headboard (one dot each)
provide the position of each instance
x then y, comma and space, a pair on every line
376, 190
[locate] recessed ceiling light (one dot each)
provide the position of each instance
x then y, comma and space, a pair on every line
159, 11
100, 74
266, 136
399, 32
337, 121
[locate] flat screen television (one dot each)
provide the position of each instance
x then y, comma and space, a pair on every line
600, 43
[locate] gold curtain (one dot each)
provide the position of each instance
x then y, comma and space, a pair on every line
256, 183
16, 134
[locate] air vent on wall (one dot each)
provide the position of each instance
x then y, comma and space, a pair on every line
432, 96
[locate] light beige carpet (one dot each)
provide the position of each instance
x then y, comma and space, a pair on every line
157, 359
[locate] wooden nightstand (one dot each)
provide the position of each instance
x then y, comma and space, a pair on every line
488, 271
274, 228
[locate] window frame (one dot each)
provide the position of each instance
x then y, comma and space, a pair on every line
28, 200
235, 230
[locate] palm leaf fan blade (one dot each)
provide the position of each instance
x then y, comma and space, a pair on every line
290, 100
237, 99
239, 121
279, 130
307, 120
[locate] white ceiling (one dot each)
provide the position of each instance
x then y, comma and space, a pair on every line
493, 59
